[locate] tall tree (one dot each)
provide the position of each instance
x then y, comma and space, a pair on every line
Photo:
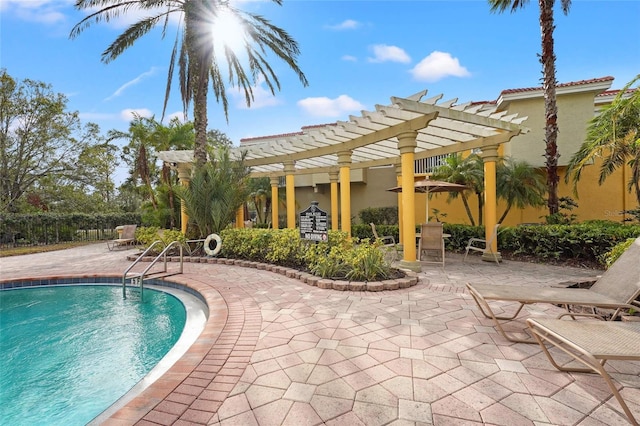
138, 153
177, 136
614, 137
548, 60
197, 51
37, 137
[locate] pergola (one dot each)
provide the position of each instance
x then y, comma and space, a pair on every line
396, 134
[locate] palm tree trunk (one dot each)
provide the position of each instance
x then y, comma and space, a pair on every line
468, 209
480, 207
166, 177
548, 60
199, 58
506, 212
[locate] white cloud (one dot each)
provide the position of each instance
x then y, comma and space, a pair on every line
178, 114
384, 53
42, 11
349, 58
348, 24
129, 114
437, 66
325, 107
262, 96
96, 116
130, 83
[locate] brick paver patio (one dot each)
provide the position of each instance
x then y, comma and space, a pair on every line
276, 351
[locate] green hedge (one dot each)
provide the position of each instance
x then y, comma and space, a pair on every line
589, 241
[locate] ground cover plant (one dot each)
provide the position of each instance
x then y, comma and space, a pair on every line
340, 257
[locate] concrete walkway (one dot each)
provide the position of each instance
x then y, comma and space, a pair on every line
276, 351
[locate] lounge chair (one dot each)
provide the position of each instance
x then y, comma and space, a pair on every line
127, 237
482, 245
616, 289
591, 343
431, 241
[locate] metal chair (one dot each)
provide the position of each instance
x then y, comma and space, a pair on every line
472, 245
389, 242
431, 240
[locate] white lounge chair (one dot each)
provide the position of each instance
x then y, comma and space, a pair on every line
616, 289
127, 237
592, 343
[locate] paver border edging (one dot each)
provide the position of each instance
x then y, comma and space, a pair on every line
409, 280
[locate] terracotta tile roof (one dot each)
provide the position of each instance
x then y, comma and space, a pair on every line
317, 126
284, 135
483, 102
614, 92
569, 84
281, 135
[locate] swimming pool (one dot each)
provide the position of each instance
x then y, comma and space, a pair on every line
67, 353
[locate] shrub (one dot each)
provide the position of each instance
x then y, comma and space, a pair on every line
612, 255
379, 215
339, 257
150, 234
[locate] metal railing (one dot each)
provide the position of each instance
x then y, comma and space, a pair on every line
137, 278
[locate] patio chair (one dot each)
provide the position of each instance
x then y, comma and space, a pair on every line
431, 241
482, 245
386, 240
616, 289
127, 237
389, 242
591, 343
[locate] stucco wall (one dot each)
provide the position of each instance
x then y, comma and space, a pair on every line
574, 112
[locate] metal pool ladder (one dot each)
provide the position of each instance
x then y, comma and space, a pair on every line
137, 278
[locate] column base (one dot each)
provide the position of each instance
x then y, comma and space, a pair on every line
488, 257
410, 265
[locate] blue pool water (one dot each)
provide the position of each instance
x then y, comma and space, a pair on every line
69, 352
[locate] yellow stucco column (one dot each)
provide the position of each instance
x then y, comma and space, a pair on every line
184, 176
240, 217
489, 157
400, 221
275, 201
407, 145
344, 161
289, 170
333, 179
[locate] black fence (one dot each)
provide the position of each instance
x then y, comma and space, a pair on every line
45, 229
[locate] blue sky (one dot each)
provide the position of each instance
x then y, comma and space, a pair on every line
355, 54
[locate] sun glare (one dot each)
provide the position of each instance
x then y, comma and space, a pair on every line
227, 30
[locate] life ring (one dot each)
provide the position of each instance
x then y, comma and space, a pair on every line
218, 245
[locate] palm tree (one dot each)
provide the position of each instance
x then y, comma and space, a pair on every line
614, 136
177, 136
216, 191
548, 60
197, 53
260, 197
519, 184
137, 153
467, 171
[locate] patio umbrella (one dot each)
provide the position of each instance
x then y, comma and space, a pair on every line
428, 186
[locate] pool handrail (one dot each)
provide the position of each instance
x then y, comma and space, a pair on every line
140, 276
